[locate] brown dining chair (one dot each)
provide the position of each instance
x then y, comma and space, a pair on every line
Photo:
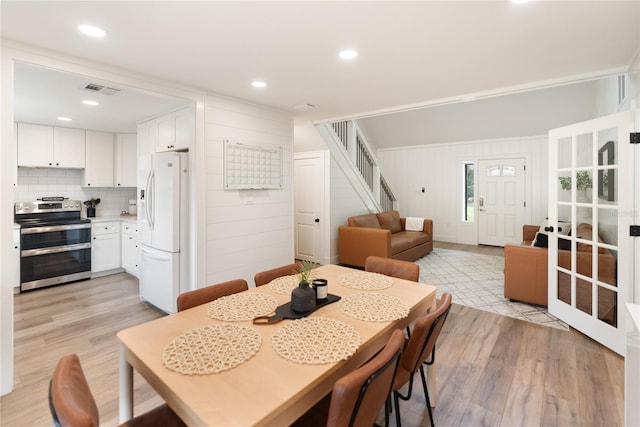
265, 277
393, 267
73, 405
420, 346
210, 293
358, 397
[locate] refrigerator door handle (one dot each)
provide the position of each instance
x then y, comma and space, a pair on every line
153, 200
154, 256
149, 203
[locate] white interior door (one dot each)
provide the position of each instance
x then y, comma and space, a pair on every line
309, 202
590, 187
501, 194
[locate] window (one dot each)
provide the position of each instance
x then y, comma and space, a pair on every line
502, 170
469, 192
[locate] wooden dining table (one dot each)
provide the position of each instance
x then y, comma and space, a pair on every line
266, 389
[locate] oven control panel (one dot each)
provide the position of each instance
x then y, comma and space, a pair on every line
47, 206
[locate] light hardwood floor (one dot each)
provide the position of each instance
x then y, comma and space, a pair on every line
492, 370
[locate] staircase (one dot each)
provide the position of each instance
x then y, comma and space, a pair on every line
355, 157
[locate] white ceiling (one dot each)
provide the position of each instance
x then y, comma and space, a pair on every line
410, 53
43, 95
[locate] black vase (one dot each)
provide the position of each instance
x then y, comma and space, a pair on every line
303, 298
91, 212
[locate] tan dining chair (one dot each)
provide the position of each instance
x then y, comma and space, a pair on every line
210, 293
265, 277
359, 396
73, 405
420, 346
393, 267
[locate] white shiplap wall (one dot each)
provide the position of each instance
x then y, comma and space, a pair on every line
438, 169
247, 231
345, 202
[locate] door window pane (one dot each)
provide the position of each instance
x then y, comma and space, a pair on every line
564, 153
584, 150
469, 192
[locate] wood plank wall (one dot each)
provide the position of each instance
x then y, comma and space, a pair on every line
246, 230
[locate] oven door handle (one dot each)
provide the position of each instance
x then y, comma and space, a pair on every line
51, 228
55, 249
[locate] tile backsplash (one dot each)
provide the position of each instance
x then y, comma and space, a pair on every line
34, 183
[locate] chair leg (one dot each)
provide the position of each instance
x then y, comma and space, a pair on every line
397, 405
387, 408
426, 395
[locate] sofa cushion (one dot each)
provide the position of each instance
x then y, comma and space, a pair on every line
400, 244
415, 237
390, 220
369, 221
541, 240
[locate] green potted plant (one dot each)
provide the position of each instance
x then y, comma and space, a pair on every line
303, 298
583, 183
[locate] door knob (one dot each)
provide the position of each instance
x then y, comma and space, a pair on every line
549, 229
317, 220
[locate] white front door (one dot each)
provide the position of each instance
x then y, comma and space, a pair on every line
501, 208
591, 188
309, 202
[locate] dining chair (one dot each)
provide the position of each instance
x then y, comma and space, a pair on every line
419, 347
265, 277
393, 267
73, 405
210, 293
358, 397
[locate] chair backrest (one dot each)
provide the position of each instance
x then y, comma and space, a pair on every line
424, 336
265, 277
70, 399
210, 293
358, 397
393, 267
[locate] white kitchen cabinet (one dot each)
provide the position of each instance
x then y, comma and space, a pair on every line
126, 160
48, 146
130, 252
175, 131
105, 246
68, 148
98, 171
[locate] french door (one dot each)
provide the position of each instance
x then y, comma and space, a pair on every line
590, 211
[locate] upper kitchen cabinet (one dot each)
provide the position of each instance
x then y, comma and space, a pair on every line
48, 146
126, 160
99, 168
175, 131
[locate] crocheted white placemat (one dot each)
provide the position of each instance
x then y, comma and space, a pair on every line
285, 284
365, 281
315, 340
211, 349
373, 307
241, 307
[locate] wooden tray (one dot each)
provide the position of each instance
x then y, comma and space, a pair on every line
284, 311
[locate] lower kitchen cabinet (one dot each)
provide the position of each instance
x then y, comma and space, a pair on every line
15, 277
105, 246
130, 251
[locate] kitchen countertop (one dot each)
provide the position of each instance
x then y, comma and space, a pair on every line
127, 218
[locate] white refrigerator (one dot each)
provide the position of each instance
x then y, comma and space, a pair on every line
162, 228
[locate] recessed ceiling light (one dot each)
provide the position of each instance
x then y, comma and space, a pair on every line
91, 30
90, 102
348, 54
65, 119
258, 83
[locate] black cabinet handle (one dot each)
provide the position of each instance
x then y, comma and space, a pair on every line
317, 220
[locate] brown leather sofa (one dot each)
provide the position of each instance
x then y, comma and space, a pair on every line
382, 235
526, 272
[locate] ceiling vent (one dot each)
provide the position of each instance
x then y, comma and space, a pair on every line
304, 107
105, 90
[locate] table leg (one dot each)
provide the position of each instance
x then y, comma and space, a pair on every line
126, 388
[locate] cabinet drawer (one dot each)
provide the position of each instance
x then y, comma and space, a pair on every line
128, 228
105, 228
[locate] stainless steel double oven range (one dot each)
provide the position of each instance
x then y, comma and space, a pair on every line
55, 242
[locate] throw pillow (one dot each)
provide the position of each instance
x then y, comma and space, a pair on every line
541, 240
